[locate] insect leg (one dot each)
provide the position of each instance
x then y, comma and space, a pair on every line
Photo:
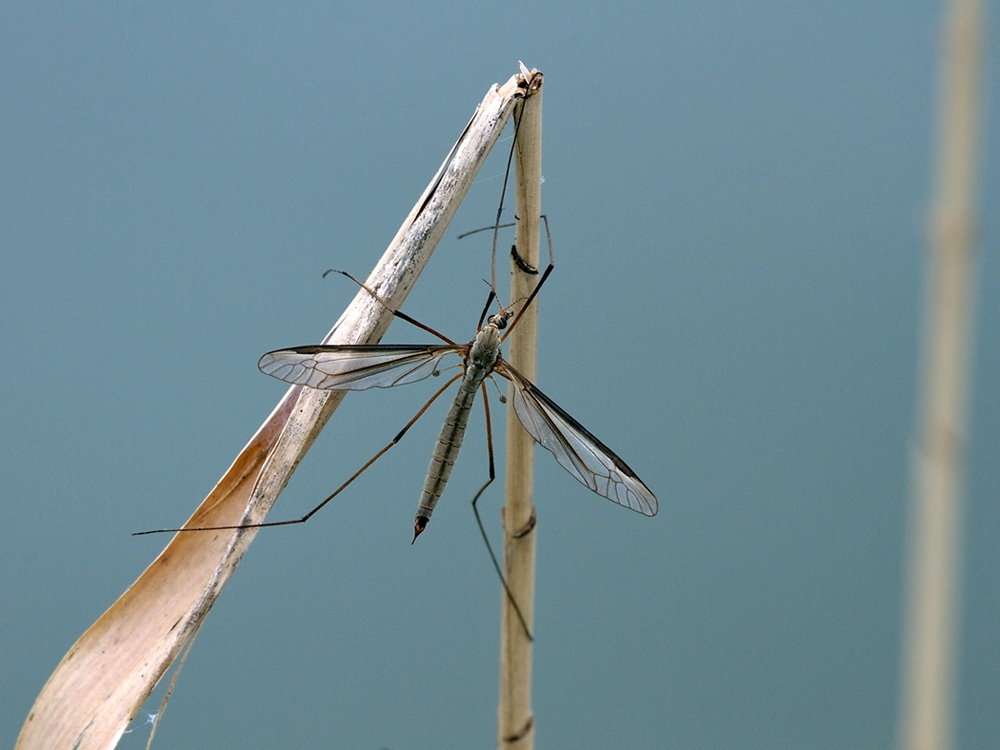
521, 262
341, 488
503, 193
538, 286
479, 522
397, 313
486, 308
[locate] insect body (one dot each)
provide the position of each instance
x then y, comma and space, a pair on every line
484, 353
345, 367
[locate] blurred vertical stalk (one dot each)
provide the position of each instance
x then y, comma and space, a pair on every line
934, 555
516, 721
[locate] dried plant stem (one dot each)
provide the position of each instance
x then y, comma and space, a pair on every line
516, 721
934, 554
105, 677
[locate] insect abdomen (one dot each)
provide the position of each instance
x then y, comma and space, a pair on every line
446, 450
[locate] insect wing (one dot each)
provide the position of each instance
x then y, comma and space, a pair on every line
354, 368
580, 453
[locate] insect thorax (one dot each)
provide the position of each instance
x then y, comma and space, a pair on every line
483, 354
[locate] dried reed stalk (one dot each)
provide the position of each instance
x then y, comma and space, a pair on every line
106, 676
516, 721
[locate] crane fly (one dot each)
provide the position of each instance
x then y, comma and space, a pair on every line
358, 367
363, 366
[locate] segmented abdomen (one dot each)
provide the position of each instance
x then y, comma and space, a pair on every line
449, 443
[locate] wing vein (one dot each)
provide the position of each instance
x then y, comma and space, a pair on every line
578, 451
355, 368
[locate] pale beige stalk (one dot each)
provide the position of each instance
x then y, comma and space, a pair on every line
933, 600
516, 721
102, 682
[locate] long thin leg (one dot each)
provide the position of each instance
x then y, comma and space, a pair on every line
496, 232
341, 488
479, 521
503, 192
398, 313
486, 308
538, 286
463, 235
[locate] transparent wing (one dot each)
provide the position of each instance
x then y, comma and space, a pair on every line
580, 453
355, 368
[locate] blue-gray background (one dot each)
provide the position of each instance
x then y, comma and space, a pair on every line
738, 195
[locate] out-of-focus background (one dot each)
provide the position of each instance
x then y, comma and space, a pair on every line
739, 198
